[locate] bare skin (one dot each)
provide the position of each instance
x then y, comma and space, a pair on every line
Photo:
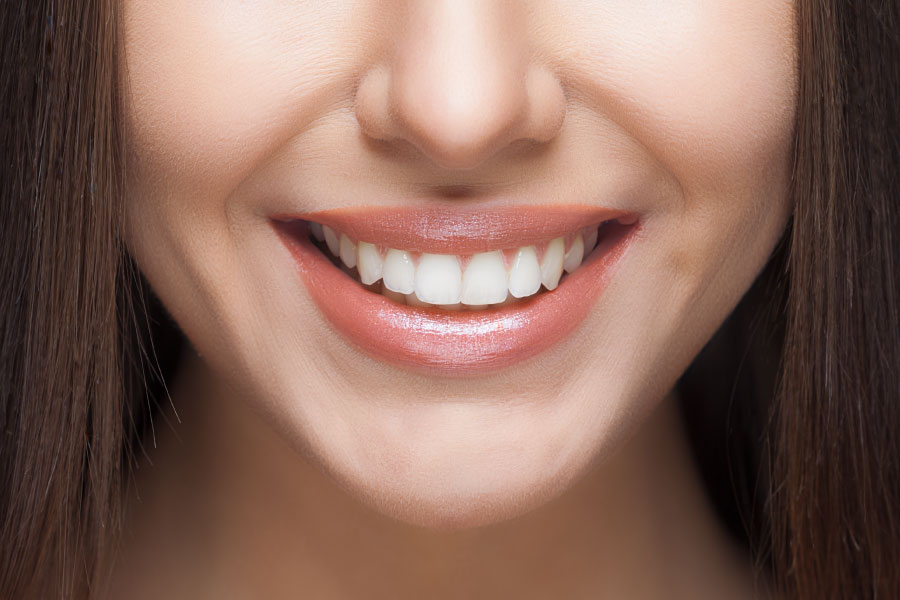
229, 511
304, 466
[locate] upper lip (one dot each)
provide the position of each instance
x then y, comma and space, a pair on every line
460, 230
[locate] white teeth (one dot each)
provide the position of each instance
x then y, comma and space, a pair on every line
590, 239
552, 263
399, 272
392, 295
573, 257
332, 240
369, 263
348, 251
316, 230
509, 300
485, 279
438, 278
525, 274
413, 300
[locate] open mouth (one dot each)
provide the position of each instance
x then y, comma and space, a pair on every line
451, 291
476, 281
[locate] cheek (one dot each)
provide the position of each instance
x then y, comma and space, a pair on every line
214, 86
707, 87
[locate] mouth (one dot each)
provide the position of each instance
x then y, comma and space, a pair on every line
456, 292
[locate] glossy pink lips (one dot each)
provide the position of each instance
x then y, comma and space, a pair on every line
446, 342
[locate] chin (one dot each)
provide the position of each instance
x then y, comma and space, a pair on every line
481, 466
455, 497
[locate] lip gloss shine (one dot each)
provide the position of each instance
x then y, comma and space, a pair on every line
445, 342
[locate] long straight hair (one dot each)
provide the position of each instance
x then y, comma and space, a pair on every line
73, 332
61, 369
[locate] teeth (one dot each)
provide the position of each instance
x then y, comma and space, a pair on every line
399, 272
413, 300
348, 252
369, 263
509, 300
316, 230
573, 257
485, 280
392, 295
525, 274
552, 263
438, 278
332, 240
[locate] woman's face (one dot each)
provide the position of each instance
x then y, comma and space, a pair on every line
434, 134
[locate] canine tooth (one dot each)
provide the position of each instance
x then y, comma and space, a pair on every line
552, 263
573, 257
438, 278
485, 280
525, 274
399, 272
590, 239
348, 251
369, 263
413, 300
392, 295
316, 230
332, 240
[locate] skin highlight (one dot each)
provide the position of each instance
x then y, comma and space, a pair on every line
681, 112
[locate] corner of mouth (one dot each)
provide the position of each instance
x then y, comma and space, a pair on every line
483, 307
455, 272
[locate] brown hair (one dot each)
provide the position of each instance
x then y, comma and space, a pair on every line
815, 381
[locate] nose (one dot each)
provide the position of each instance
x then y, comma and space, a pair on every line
461, 84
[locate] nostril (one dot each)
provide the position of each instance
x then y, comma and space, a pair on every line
460, 89
463, 127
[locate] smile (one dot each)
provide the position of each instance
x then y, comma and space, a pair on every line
456, 292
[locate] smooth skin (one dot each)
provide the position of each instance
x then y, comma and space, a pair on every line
303, 468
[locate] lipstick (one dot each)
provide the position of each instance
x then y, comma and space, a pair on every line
456, 343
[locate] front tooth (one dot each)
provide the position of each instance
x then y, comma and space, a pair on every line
316, 230
509, 300
525, 274
438, 278
369, 263
485, 279
348, 251
332, 240
413, 300
574, 255
552, 263
399, 272
590, 239
392, 295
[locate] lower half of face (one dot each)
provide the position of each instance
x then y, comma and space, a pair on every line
456, 252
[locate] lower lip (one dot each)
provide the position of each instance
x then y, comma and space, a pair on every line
453, 342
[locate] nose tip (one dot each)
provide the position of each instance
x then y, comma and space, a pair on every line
460, 87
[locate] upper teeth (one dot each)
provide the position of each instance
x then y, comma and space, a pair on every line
449, 280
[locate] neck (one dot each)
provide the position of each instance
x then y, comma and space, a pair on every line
227, 508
